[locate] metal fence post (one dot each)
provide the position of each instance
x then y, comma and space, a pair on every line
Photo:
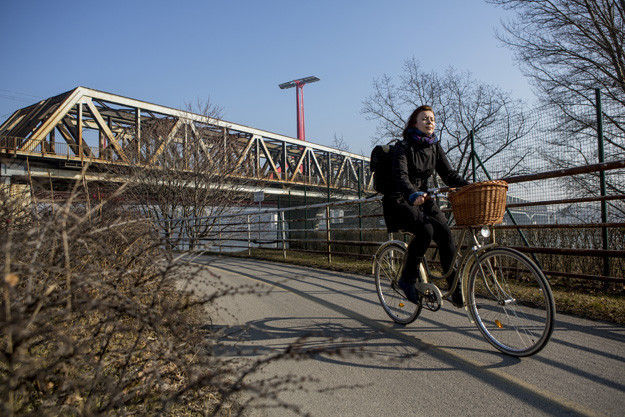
305, 218
360, 178
329, 176
277, 223
249, 236
283, 234
474, 158
290, 218
602, 185
328, 234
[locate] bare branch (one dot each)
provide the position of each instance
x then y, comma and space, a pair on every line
461, 104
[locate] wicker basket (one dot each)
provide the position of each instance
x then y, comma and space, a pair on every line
480, 203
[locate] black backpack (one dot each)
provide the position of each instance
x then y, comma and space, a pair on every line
381, 166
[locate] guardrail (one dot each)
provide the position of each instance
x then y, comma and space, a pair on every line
58, 150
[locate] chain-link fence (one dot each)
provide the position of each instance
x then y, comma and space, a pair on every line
566, 198
547, 140
565, 206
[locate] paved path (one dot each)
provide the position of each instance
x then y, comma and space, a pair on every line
437, 366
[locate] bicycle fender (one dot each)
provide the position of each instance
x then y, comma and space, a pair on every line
464, 275
399, 243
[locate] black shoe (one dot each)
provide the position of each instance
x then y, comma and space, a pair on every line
411, 292
456, 298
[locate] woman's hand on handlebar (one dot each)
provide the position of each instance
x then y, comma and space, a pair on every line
421, 197
418, 198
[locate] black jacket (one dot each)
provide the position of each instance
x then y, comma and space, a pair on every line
415, 162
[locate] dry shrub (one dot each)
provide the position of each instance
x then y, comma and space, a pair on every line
93, 321
578, 238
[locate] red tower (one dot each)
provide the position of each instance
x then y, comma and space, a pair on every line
299, 97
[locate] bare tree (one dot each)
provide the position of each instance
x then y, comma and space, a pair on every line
568, 49
184, 174
338, 142
462, 104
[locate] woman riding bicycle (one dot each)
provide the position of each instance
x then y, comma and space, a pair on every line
416, 158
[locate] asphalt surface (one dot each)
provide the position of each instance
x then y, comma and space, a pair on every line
437, 366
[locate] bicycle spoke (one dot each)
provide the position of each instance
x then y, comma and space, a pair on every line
387, 271
511, 302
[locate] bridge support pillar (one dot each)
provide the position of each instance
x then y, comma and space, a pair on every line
18, 193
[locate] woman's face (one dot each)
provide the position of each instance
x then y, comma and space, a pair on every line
426, 122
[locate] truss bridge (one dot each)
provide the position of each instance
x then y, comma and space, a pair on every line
56, 137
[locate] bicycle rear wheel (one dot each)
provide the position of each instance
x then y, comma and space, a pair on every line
511, 302
387, 269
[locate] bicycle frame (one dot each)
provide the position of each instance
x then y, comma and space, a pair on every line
505, 293
462, 264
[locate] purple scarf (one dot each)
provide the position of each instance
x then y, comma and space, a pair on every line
420, 137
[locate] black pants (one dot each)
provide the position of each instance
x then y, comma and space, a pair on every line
425, 222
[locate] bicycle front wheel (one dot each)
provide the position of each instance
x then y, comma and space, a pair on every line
388, 266
511, 302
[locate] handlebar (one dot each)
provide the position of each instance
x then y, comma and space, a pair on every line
438, 192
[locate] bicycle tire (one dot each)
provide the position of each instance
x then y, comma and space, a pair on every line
388, 267
511, 302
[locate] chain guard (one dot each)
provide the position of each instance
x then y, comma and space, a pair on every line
432, 297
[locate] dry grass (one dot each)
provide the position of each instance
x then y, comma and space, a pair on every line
598, 306
582, 299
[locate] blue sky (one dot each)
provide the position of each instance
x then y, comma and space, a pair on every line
237, 52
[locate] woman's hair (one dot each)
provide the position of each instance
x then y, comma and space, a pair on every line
412, 120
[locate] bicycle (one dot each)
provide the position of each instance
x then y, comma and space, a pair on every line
505, 293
